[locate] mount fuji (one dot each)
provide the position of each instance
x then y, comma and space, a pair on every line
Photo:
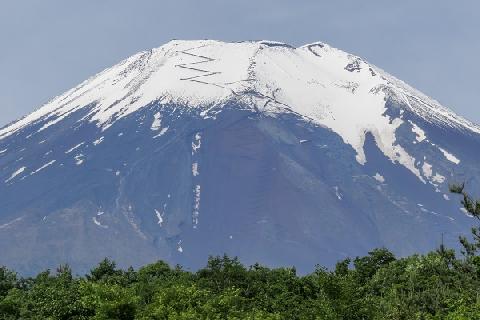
275, 154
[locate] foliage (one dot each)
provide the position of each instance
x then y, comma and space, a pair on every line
437, 285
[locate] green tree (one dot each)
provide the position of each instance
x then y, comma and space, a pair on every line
8, 281
54, 297
108, 301
473, 208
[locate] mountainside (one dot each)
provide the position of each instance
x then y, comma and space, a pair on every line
257, 149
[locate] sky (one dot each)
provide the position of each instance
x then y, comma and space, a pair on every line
50, 46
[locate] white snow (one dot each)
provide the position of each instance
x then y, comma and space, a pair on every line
46, 165
197, 143
179, 246
421, 136
159, 217
196, 205
74, 148
379, 177
195, 171
161, 133
322, 84
95, 220
157, 125
450, 157
438, 178
427, 169
157, 122
98, 141
16, 173
3, 151
79, 159
337, 193
446, 197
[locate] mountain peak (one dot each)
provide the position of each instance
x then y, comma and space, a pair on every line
256, 148
317, 82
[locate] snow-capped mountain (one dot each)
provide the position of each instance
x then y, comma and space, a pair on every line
283, 155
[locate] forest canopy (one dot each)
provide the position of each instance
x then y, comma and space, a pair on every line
441, 284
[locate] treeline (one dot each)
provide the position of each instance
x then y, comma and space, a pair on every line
437, 285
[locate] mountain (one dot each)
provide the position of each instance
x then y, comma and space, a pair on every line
282, 155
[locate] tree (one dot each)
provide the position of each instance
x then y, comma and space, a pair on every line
366, 267
473, 208
8, 280
54, 297
105, 271
221, 273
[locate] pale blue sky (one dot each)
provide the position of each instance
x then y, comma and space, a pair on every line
49, 46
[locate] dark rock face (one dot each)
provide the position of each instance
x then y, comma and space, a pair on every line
272, 189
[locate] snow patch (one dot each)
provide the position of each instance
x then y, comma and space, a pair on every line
197, 143
421, 136
159, 217
379, 177
74, 148
15, 174
98, 141
157, 125
465, 211
195, 171
79, 159
161, 133
450, 157
157, 122
179, 246
427, 169
196, 205
46, 165
95, 220
338, 194
438, 178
